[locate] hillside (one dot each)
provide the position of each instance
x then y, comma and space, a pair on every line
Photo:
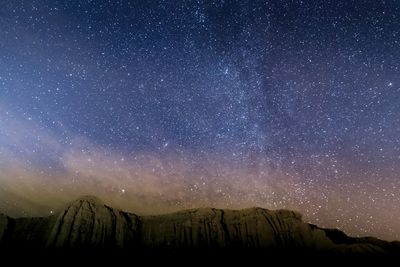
88, 223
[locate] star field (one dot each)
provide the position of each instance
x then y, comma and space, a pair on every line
156, 106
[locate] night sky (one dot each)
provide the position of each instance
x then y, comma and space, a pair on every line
157, 106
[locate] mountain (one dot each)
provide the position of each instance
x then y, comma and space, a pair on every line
88, 223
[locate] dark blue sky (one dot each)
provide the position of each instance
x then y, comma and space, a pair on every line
308, 89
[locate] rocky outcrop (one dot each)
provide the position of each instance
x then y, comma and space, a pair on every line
251, 228
87, 222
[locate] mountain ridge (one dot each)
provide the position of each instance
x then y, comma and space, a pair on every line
88, 223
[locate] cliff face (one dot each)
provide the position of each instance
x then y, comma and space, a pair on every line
89, 223
251, 228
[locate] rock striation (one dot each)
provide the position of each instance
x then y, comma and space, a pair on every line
88, 223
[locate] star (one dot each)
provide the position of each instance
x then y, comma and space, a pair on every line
157, 106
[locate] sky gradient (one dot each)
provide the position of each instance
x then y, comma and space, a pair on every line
156, 106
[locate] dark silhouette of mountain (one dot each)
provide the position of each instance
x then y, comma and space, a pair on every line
89, 224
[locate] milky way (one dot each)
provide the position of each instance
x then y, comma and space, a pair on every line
157, 106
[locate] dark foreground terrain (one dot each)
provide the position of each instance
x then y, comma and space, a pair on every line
89, 228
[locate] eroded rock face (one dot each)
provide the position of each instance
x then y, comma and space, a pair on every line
87, 222
250, 228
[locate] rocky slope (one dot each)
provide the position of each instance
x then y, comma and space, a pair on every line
88, 223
